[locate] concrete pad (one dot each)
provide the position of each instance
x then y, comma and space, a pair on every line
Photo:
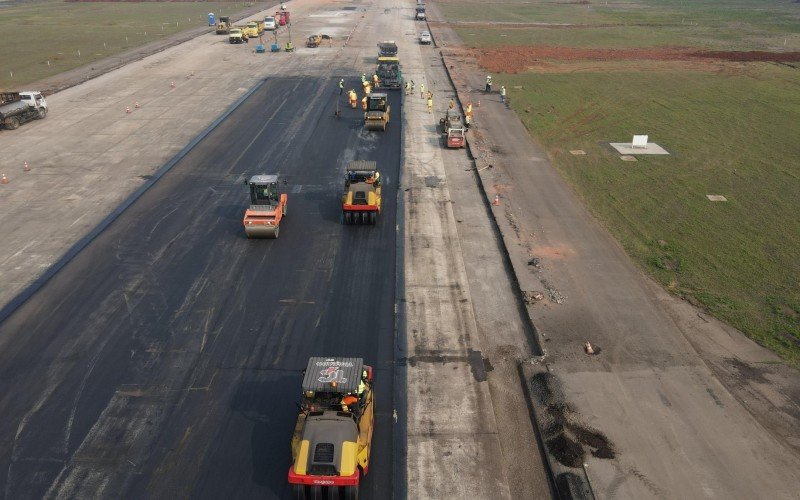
626, 148
716, 197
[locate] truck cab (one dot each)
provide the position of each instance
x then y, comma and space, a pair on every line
17, 108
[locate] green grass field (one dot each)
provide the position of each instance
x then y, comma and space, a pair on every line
721, 25
732, 129
56, 31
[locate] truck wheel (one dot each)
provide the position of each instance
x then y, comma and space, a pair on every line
42, 113
373, 218
12, 123
316, 493
299, 492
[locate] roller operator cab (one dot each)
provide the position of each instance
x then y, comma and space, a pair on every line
267, 207
333, 434
376, 117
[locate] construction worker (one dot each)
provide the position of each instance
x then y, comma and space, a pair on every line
363, 78
430, 102
422, 91
488, 83
408, 88
364, 103
452, 104
341, 86
468, 114
368, 89
362, 386
347, 401
353, 98
502, 93
375, 81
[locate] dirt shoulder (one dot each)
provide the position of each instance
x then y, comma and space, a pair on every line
686, 403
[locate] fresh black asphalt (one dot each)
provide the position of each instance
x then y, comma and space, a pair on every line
165, 359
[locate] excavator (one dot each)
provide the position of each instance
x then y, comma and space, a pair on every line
376, 117
361, 201
333, 434
267, 207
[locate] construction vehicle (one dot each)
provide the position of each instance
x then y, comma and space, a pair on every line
237, 35
376, 117
254, 29
267, 207
387, 48
17, 108
314, 41
453, 129
361, 201
420, 12
389, 74
270, 24
333, 434
223, 25
283, 17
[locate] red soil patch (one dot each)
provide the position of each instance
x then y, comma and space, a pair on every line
513, 59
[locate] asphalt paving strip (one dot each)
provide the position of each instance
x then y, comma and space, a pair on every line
165, 357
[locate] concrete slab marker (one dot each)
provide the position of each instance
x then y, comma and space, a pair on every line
716, 197
577, 152
628, 158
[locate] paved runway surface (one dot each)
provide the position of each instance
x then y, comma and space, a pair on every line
166, 358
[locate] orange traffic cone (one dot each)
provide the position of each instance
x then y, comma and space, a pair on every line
172, 84
4, 179
588, 348
479, 103
25, 167
136, 105
496, 201
127, 109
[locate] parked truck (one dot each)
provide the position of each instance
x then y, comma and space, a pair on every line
420, 9
17, 108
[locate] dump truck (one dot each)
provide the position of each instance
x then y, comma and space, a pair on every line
361, 201
453, 129
387, 48
267, 207
389, 74
17, 108
333, 434
376, 117
237, 35
223, 25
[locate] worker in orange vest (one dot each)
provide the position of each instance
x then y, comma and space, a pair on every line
353, 98
364, 103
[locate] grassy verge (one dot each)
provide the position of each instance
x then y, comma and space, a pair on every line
729, 134
42, 39
723, 25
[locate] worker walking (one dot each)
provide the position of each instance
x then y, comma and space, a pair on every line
353, 98
452, 104
341, 86
375, 81
368, 89
363, 78
502, 94
364, 103
468, 114
422, 91
488, 83
408, 88
430, 102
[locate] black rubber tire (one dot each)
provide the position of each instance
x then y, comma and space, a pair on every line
42, 113
316, 493
12, 123
299, 492
348, 218
351, 492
